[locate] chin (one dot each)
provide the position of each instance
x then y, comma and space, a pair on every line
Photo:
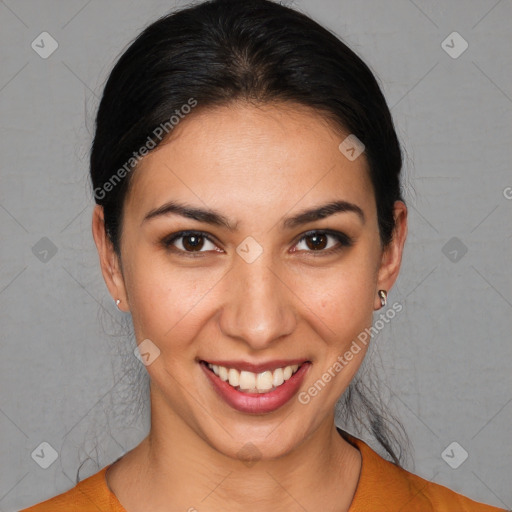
252, 443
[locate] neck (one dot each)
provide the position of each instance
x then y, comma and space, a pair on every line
174, 465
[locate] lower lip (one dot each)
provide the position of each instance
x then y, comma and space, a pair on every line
257, 403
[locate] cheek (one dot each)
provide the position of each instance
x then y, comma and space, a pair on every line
166, 301
343, 299
342, 312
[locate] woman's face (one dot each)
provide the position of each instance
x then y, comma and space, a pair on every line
253, 284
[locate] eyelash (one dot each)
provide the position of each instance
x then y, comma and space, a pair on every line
344, 241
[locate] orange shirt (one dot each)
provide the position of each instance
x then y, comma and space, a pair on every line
382, 487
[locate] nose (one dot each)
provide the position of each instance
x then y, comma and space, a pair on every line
259, 306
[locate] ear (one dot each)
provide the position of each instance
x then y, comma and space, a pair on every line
109, 260
392, 255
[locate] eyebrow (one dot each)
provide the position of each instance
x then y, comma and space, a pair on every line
210, 216
321, 212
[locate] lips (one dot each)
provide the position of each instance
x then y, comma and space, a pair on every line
249, 388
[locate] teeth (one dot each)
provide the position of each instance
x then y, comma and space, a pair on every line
254, 382
278, 377
234, 377
223, 373
264, 381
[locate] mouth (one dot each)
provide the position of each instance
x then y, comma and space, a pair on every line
264, 389
251, 382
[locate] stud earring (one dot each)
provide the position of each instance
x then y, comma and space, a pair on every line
118, 301
383, 297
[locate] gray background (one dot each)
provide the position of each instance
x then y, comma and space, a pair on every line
68, 376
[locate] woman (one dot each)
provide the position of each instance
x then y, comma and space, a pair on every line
250, 218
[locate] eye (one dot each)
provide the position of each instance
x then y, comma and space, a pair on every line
318, 241
195, 243
189, 242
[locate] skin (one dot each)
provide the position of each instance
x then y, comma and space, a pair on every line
256, 165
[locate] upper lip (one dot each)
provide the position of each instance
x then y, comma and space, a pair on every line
257, 367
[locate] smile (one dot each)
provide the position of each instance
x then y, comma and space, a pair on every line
256, 389
250, 382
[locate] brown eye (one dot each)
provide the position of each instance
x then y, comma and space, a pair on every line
189, 242
193, 242
316, 241
319, 241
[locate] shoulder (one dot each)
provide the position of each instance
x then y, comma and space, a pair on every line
383, 486
89, 495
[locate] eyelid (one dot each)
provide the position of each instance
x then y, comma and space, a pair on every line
343, 240
168, 241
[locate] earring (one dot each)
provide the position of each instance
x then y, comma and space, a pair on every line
118, 301
383, 294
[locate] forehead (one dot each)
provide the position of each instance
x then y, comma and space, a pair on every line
252, 156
